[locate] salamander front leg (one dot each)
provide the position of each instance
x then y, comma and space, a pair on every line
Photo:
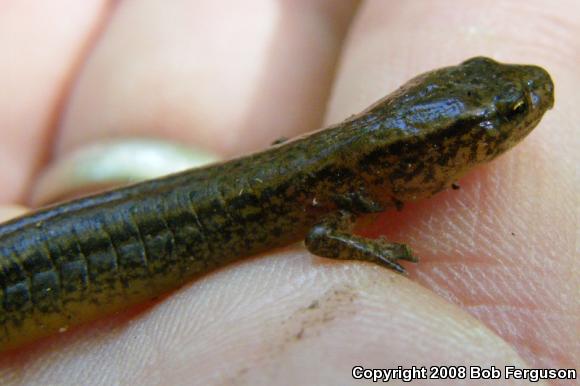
333, 238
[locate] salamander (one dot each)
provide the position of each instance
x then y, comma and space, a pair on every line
86, 258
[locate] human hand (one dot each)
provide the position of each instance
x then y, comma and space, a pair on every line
232, 81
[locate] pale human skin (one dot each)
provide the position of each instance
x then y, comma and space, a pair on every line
498, 280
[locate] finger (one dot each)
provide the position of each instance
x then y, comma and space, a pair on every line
225, 81
287, 319
40, 44
8, 212
502, 247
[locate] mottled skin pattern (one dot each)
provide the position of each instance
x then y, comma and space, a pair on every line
90, 257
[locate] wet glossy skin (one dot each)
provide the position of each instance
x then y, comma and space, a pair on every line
90, 257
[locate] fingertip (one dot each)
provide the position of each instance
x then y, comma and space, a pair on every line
8, 212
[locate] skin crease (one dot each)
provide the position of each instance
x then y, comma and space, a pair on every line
480, 294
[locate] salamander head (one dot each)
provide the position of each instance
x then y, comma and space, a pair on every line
504, 101
442, 123
480, 101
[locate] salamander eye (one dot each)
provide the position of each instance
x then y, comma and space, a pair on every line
517, 109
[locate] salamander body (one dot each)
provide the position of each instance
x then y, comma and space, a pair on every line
79, 260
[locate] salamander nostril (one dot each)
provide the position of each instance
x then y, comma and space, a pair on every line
535, 98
